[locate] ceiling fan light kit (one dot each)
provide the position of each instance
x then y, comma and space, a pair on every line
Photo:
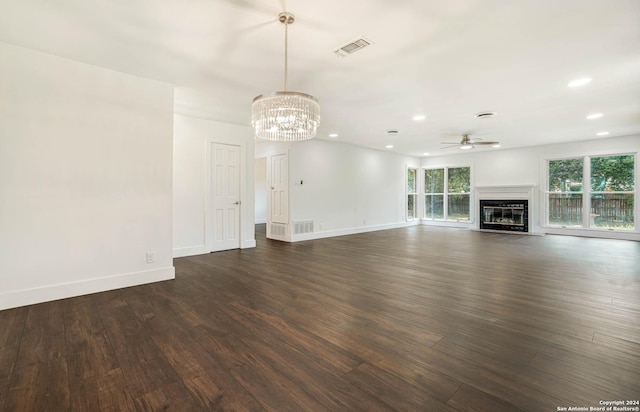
486, 115
467, 143
285, 115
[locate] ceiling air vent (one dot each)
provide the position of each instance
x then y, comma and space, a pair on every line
352, 47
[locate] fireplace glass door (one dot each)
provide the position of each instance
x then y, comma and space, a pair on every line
508, 215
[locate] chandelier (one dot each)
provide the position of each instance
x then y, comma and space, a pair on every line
285, 116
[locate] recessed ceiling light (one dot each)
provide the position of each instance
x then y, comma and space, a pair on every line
602, 134
594, 116
496, 145
485, 115
425, 154
389, 146
579, 82
393, 131
419, 117
333, 135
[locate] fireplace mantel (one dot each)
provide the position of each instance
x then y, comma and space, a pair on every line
510, 192
526, 192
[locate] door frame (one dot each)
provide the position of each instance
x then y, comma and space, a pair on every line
264, 157
247, 231
287, 226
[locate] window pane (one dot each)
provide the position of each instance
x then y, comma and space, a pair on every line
411, 180
459, 180
612, 174
434, 181
411, 207
434, 206
612, 211
458, 207
565, 175
565, 209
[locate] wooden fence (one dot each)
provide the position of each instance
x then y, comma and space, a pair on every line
458, 206
607, 210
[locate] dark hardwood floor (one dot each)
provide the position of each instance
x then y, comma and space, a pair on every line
414, 319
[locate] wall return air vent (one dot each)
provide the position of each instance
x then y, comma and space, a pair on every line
352, 47
302, 226
278, 229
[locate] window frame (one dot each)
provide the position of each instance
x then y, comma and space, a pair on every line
413, 193
425, 193
445, 195
566, 193
449, 193
587, 193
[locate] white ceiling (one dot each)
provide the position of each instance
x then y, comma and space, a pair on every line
446, 59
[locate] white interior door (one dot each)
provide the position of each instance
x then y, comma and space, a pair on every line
279, 193
225, 197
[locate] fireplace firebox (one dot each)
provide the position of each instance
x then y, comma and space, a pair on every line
506, 215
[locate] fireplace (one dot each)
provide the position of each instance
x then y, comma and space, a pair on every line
510, 215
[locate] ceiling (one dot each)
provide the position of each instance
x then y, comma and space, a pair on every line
447, 60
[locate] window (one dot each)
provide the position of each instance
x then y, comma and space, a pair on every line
565, 192
612, 192
434, 193
458, 198
591, 192
412, 194
447, 194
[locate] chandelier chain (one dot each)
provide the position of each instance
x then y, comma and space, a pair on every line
286, 54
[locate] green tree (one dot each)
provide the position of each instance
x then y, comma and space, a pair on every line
565, 175
434, 181
459, 180
612, 173
411, 180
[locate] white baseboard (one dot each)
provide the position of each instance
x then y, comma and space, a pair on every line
280, 238
603, 234
84, 287
351, 231
190, 251
203, 250
247, 244
447, 223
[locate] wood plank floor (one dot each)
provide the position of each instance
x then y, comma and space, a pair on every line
413, 319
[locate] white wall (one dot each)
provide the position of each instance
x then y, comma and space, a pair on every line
525, 166
260, 173
345, 189
85, 178
192, 138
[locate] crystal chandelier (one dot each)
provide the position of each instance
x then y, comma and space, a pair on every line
285, 116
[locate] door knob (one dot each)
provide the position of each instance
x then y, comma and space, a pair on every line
236, 203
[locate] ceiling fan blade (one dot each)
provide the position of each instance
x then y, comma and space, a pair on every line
230, 46
485, 143
257, 26
252, 6
452, 145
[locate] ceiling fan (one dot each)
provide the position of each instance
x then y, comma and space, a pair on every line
468, 143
